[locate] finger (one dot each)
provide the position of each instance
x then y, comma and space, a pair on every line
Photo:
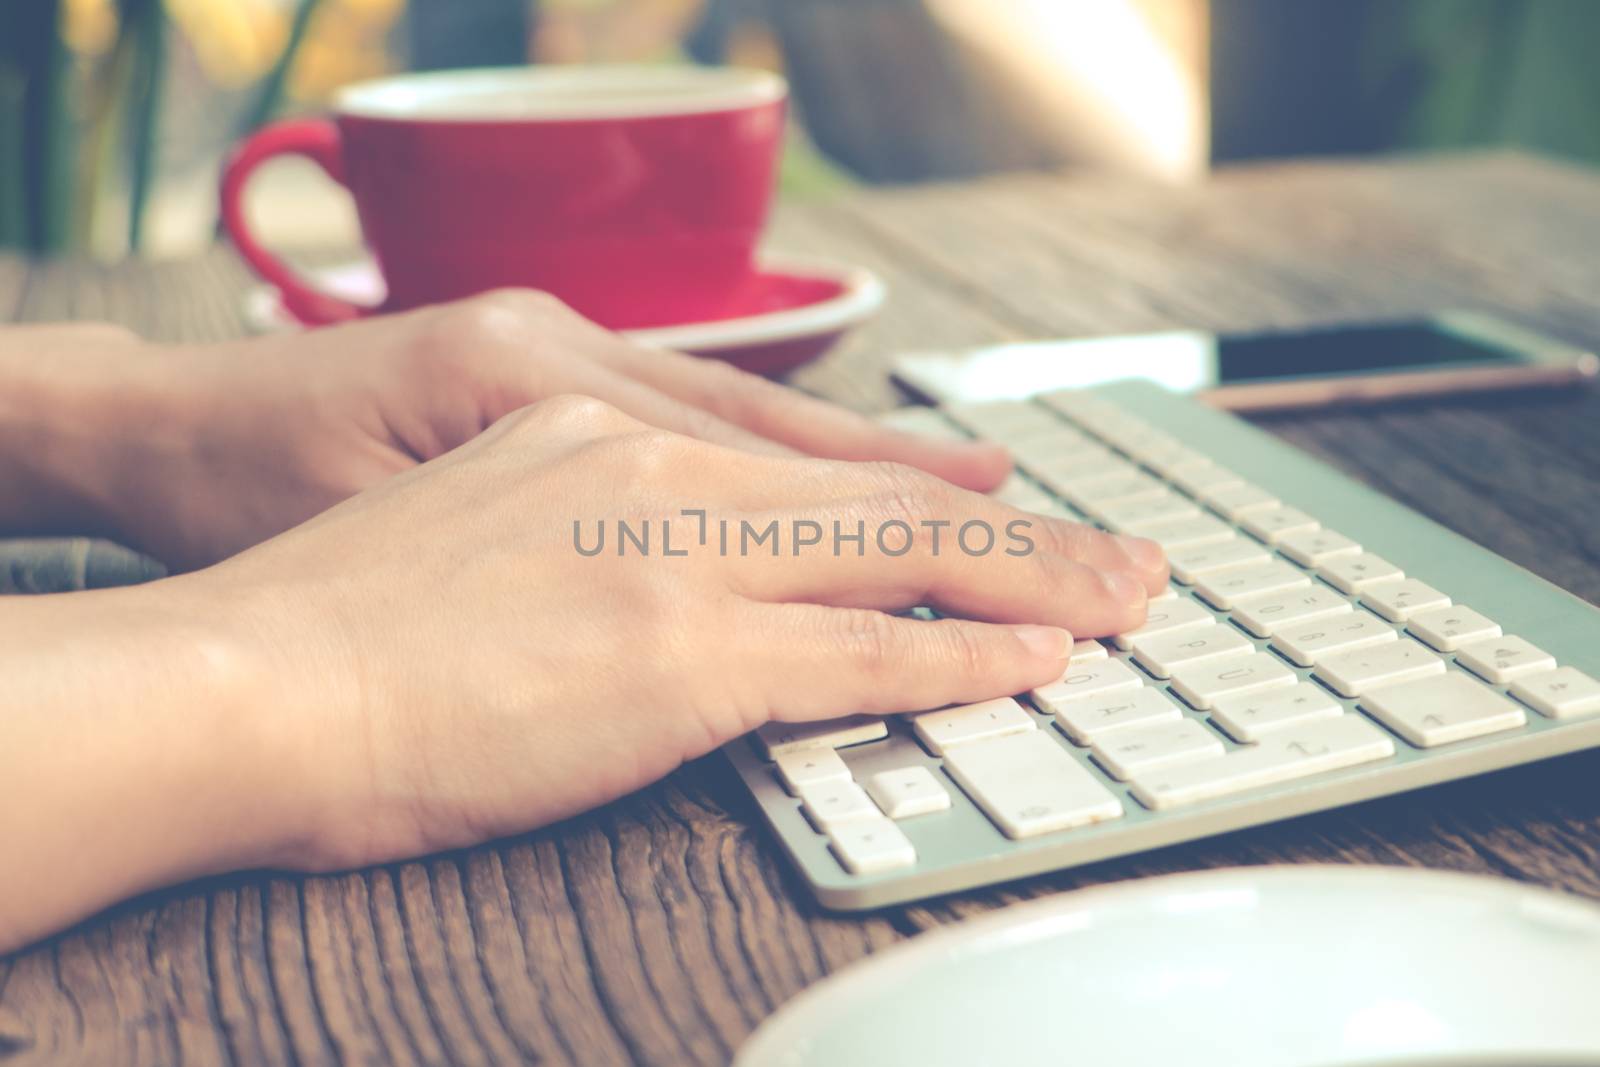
846, 559
493, 343
827, 662
851, 493
802, 422
1126, 553
658, 409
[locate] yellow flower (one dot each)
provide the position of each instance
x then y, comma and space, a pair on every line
89, 26
374, 11
347, 41
235, 40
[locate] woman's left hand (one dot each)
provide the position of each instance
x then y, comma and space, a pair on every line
204, 450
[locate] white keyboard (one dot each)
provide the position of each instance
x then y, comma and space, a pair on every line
1320, 645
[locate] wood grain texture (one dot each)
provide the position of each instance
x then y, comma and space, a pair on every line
663, 927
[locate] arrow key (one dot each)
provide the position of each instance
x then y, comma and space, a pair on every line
809, 767
1282, 756
871, 846
1444, 708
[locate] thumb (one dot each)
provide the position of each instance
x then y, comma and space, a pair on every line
839, 661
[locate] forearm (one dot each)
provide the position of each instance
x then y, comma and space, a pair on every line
67, 397
134, 753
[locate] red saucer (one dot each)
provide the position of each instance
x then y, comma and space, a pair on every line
791, 311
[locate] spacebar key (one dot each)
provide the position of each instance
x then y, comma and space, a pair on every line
1028, 784
1324, 745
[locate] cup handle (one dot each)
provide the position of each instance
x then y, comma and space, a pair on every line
318, 141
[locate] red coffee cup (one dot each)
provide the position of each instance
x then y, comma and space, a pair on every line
635, 194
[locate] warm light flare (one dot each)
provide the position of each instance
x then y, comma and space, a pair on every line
1108, 78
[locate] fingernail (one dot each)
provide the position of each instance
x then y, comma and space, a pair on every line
1144, 552
1124, 588
1046, 642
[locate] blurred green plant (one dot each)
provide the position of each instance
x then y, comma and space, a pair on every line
69, 126
35, 161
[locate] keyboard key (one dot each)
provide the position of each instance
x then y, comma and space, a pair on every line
1004, 420
1274, 525
1055, 468
1071, 475
871, 846
1132, 444
1284, 755
1167, 615
1144, 441
1268, 615
1045, 432
1167, 458
1352, 574
776, 738
1311, 548
837, 802
1163, 653
939, 730
1087, 651
1234, 501
1162, 597
1089, 495
1141, 749
1500, 659
981, 417
1131, 517
1448, 628
1353, 674
1436, 711
1089, 679
1182, 533
1249, 718
1192, 563
1398, 601
907, 791
1103, 413
1078, 404
1046, 449
1029, 785
1021, 493
1090, 718
1226, 589
1196, 479
1204, 684
1308, 642
1067, 480
923, 421
1122, 428
811, 767
1559, 694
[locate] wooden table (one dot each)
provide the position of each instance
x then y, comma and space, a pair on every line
662, 928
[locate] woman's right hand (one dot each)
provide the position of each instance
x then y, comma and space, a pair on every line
450, 667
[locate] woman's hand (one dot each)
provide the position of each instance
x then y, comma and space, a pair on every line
460, 661
193, 453
449, 657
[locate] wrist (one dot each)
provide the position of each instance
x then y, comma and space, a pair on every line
305, 714
145, 748
258, 743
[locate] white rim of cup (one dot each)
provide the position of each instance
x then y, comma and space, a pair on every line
562, 93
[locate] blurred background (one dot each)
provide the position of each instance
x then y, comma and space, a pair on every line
115, 114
